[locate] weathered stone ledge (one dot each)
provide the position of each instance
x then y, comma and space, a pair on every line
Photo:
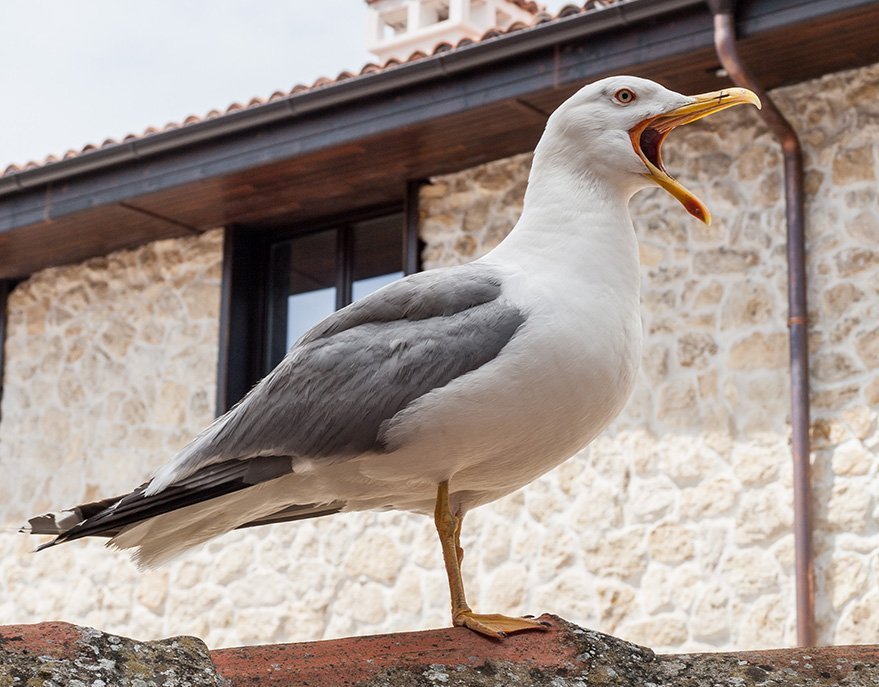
55, 654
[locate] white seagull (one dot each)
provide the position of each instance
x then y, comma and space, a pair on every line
447, 389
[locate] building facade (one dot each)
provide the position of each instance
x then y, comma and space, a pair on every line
673, 529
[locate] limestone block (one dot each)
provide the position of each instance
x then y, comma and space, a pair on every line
617, 554
696, 349
759, 351
264, 588
651, 498
557, 551
763, 514
864, 226
859, 622
677, 400
712, 622
597, 506
153, 590
574, 584
651, 255
835, 397
852, 458
709, 498
507, 587
748, 304
853, 261
750, 572
784, 551
670, 542
494, 543
655, 363
253, 625
615, 602
408, 596
724, 261
846, 578
755, 464
686, 461
871, 392
850, 507
664, 630
833, 366
860, 421
853, 164
376, 556
867, 345
760, 621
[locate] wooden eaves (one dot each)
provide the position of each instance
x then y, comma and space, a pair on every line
355, 143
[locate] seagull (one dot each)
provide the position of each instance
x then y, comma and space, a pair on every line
450, 388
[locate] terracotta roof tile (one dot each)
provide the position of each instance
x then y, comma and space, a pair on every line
540, 16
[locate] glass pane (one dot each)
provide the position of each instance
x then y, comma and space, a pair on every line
303, 288
304, 310
364, 287
378, 254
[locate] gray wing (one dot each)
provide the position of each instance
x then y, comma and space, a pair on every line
335, 388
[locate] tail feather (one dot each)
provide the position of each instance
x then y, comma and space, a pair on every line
217, 499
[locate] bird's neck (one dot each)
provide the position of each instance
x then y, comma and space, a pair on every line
578, 224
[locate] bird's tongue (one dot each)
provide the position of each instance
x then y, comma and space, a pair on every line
651, 145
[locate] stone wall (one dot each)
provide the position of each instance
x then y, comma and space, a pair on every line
110, 368
672, 530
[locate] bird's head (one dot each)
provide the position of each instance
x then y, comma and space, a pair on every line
617, 126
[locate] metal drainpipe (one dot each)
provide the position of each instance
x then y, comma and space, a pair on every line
725, 43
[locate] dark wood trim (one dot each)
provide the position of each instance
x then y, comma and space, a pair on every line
242, 315
277, 262
344, 265
413, 246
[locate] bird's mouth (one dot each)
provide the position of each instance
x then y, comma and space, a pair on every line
648, 135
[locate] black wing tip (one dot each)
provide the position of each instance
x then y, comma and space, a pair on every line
48, 544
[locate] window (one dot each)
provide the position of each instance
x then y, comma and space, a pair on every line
313, 274
279, 282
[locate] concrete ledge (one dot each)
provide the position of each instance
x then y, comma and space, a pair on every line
564, 656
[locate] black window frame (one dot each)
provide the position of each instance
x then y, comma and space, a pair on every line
245, 345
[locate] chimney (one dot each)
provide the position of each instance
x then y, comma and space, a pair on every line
398, 28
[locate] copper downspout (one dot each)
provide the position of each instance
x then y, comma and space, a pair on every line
725, 43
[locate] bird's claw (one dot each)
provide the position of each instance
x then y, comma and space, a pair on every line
497, 626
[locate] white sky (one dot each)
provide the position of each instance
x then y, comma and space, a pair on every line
80, 71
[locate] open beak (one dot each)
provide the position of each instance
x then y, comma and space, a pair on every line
648, 135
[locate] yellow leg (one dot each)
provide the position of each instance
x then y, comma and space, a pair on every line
448, 526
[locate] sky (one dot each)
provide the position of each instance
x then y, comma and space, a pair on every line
74, 72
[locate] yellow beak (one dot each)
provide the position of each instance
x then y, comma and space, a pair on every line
648, 135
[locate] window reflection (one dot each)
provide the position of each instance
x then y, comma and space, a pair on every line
378, 254
364, 287
304, 310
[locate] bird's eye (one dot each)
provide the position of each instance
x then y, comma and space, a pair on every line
624, 96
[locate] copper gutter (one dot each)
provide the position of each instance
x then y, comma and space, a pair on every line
725, 43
